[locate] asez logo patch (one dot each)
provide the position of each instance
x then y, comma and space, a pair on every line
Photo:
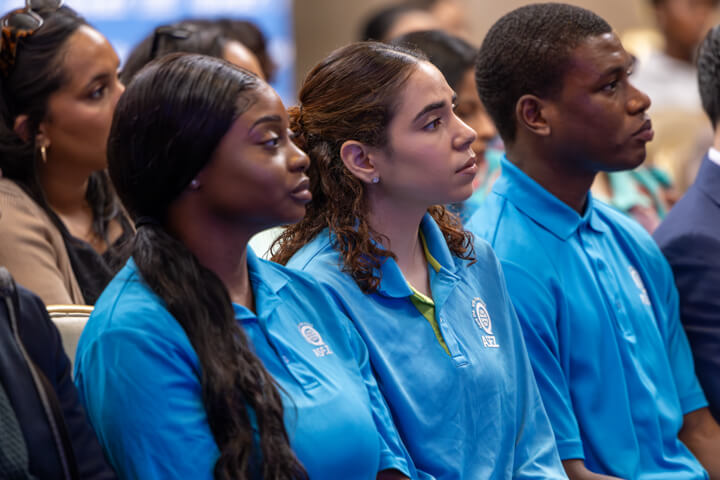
313, 337
482, 319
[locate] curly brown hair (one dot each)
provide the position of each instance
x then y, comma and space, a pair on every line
351, 95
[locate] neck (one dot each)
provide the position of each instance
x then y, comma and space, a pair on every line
400, 224
570, 185
220, 247
716, 139
64, 188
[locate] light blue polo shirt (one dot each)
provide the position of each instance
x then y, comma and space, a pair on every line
473, 414
599, 311
138, 376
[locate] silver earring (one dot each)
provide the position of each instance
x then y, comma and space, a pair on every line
375, 179
43, 153
194, 184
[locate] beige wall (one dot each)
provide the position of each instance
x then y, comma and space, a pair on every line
322, 25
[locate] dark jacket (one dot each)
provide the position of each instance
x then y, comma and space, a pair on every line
690, 239
42, 343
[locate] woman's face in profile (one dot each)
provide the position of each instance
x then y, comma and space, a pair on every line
257, 174
77, 123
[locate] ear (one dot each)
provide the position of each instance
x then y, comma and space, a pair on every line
21, 127
356, 157
531, 113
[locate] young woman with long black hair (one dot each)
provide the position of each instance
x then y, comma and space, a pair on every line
200, 359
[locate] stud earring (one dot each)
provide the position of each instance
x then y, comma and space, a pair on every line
194, 184
43, 153
375, 179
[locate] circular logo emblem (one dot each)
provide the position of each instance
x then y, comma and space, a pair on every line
481, 315
310, 334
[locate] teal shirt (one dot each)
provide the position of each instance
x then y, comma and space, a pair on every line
599, 311
138, 376
473, 414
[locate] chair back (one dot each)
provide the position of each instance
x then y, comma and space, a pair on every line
70, 321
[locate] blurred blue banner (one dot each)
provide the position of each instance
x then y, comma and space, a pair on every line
126, 22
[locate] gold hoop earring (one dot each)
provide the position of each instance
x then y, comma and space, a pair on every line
43, 153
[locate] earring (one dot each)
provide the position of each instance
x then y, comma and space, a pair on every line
43, 153
375, 179
194, 184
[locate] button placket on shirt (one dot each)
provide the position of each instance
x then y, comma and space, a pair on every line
606, 279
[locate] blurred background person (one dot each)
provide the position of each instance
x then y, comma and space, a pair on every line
61, 225
202, 37
690, 238
398, 19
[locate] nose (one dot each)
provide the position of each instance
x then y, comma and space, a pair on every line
298, 161
464, 137
119, 89
638, 101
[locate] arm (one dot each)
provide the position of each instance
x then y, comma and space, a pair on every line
536, 454
395, 462
143, 396
42, 341
575, 469
701, 434
32, 251
696, 268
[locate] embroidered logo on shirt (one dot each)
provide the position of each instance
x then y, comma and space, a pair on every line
641, 286
313, 337
482, 319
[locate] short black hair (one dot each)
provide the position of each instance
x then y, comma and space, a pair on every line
452, 55
527, 52
708, 65
382, 21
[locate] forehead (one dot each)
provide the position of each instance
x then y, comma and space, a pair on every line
265, 102
595, 57
425, 85
88, 53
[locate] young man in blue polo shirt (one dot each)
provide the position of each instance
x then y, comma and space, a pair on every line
594, 295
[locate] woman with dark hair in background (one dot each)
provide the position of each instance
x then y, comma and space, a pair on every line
201, 360
205, 37
430, 302
60, 222
455, 58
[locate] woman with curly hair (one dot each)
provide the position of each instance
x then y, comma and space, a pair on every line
387, 151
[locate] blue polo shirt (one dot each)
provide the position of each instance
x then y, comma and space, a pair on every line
473, 414
138, 376
599, 311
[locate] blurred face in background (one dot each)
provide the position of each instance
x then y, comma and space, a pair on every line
76, 127
241, 56
470, 109
685, 22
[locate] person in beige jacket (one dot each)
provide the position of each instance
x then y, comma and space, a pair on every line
61, 225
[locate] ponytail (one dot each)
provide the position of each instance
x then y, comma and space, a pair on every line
233, 378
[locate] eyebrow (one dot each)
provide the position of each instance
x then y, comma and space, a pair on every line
433, 106
98, 77
619, 69
266, 119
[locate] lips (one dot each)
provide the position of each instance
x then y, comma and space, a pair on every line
301, 193
645, 133
470, 167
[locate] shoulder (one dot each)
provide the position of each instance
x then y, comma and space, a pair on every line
321, 260
626, 229
694, 214
17, 206
129, 307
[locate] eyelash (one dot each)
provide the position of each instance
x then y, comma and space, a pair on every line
434, 123
98, 93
